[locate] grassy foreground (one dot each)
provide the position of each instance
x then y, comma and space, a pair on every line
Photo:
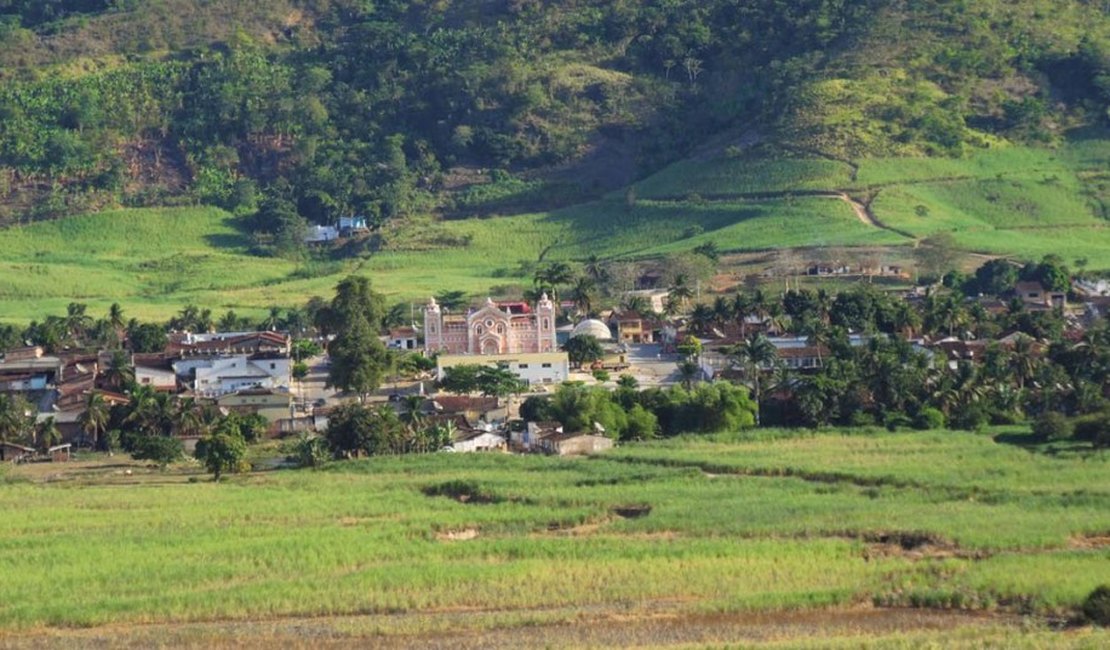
933, 520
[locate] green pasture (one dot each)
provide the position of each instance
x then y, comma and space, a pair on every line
155, 261
776, 522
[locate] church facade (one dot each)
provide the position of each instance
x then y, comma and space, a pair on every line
496, 328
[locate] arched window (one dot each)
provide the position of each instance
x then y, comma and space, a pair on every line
478, 330
500, 329
546, 324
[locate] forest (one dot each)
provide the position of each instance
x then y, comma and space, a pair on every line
387, 109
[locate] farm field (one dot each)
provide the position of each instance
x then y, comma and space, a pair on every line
155, 261
1013, 201
891, 540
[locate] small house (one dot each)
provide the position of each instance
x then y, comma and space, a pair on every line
10, 452
478, 440
575, 444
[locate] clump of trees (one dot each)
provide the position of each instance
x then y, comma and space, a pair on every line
631, 414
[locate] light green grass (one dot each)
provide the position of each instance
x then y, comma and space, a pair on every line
362, 537
155, 261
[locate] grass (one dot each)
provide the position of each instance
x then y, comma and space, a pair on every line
781, 522
155, 261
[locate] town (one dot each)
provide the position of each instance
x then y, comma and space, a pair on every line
570, 377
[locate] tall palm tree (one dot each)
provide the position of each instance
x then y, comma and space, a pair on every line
741, 310
638, 304
701, 318
722, 310
595, 269
755, 354
119, 374
583, 292
77, 321
681, 290
688, 371
94, 419
1022, 362
553, 276
115, 317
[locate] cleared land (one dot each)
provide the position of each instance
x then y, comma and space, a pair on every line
1015, 201
713, 533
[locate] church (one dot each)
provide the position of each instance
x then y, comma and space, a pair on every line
496, 328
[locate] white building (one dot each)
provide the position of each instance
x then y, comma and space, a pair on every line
213, 377
321, 234
537, 368
473, 441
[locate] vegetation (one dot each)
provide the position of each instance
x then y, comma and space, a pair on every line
934, 519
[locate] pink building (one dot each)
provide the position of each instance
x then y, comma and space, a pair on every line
495, 328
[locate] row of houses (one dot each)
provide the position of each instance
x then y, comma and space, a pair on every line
238, 371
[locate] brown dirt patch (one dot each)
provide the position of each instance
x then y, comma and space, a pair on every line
663, 626
457, 535
1092, 541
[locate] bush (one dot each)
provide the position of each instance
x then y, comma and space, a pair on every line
1093, 428
895, 420
929, 418
601, 375
1052, 426
160, 449
1097, 606
862, 419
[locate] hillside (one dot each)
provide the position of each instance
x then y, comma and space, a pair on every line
615, 129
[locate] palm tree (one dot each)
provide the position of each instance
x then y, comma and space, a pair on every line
638, 304
701, 319
722, 310
583, 291
77, 322
46, 434
115, 317
119, 374
681, 290
741, 309
1022, 362
689, 371
755, 354
595, 269
412, 414
94, 419
553, 276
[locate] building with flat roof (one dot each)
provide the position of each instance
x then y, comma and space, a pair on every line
535, 368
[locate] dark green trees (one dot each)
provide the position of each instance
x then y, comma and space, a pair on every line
359, 360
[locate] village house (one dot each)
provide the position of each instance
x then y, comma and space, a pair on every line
212, 377
469, 408
574, 444
655, 298
271, 404
403, 338
1034, 295
529, 437
155, 370
470, 441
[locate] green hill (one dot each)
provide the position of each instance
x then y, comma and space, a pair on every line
616, 129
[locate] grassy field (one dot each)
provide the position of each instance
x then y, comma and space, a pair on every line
155, 261
1015, 201
737, 526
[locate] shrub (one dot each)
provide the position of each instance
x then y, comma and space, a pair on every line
601, 375
862, 419
929, 418
895, 420
1094, 428
1052, 426
1097, 606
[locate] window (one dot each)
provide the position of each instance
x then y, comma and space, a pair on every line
273, 366
500, 329
546, 365
522, 366
478, 330
546, 324
146, 380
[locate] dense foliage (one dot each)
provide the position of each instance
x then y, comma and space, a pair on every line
346, 106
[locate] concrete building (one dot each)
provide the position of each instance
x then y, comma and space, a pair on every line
538, 368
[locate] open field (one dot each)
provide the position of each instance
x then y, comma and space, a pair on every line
155, 261
708, 534
1015, 201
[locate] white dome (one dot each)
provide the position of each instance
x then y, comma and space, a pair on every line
594, 328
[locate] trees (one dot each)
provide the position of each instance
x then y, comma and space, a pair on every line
16, 418
356, 429
119, 374
223, 450
584, 349
359, 360
94, 419
163, 450
755, 354
936, 254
